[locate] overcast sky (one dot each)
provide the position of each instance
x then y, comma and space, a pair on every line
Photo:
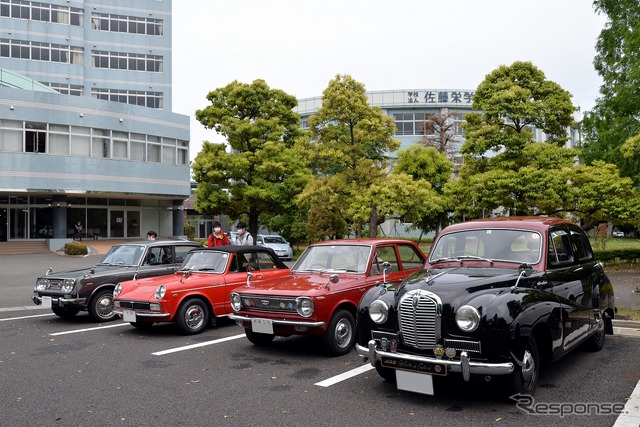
300, 45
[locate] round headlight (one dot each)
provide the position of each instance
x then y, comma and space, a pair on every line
117, 290
160, 291
379, 311
236, 302
467, 318
304, 306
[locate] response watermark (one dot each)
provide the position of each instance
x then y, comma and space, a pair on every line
527, 403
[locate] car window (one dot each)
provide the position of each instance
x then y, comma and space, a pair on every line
181, 252
124, 255
384, 254
410, 257
559, 251
581, 246
209, 261
153, 256
274, 239
265, 262
349, 258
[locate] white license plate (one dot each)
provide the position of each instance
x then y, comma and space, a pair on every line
129, 315
262, 326
46, 302
415, 382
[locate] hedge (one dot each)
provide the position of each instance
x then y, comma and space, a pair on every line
75, 249
618, 255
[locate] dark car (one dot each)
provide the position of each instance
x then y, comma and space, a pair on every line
69, 292
320, 297
498, 297
199, 291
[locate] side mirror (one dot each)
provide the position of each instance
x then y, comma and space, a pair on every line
386, 267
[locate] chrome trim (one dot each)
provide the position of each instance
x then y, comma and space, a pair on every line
282, 322
141, 314
465, 365
61, 301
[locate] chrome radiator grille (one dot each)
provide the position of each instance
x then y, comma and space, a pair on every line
419, 317
273, 304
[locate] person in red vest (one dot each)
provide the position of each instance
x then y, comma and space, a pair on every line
217, 237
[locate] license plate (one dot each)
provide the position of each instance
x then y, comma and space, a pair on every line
415, 382
46, 302
262, 326
433, 368
129, 315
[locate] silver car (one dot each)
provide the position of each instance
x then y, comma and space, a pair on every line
276, 242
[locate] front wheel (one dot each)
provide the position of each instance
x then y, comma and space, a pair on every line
524, 380
101, 306
193, 317
340, 336
65, 313
258, 338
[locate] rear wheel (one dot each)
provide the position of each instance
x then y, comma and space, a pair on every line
101, 306
596, 341
340, 336
524, 380
193, 317
65, 313
258, 338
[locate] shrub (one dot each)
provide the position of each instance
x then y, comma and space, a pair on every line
75, 249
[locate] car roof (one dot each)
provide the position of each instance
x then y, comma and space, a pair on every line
537, 223
360, 241
160, 242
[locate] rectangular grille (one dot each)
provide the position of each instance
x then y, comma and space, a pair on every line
135, 305
271, 304
461, 345
55, 284
419, 320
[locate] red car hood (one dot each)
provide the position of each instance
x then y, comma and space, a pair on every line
143, 289
301, 283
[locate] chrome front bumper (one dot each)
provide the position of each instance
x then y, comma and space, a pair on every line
465, 365
60, 301
279, 322
120, 312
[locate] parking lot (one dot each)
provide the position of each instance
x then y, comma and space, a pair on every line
77, 372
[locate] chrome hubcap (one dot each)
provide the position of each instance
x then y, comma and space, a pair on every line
528, 367
194, 317
343, 333
104, 307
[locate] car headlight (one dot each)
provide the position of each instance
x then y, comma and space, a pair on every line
160, 291
236, 302
68, 284
467, 318
379, 311
304, 306
41, 284
117, 290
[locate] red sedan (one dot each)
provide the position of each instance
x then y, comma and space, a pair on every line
321, 295
199, 291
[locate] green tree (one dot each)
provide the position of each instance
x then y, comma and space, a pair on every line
504, 166
348, 154
431, 166
614, 119
261, 172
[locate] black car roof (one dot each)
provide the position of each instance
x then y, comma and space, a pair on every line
243, 249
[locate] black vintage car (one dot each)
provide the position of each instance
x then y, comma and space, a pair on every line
69, 292
497, 298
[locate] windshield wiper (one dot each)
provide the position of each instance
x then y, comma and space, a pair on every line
461, 259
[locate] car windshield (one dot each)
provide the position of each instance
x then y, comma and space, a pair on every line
274, 239
338, 258
507, 245
214, 262
123, 255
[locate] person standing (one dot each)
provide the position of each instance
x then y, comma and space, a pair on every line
78, 230
151, 235
244, 238
217, 237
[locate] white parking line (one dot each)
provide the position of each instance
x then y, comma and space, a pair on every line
26, 317
345, 376
631, 415
88, 329
201, 344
